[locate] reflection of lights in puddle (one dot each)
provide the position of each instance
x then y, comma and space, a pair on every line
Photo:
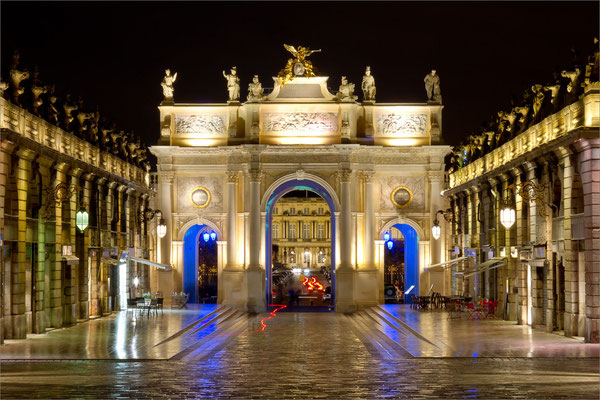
262, 321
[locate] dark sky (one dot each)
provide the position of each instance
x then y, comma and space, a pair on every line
113, 54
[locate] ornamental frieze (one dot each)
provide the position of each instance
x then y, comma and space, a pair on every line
300, 122
407, 124
200, 125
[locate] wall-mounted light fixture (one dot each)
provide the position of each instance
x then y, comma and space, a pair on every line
436, 230
161, 228
82, 218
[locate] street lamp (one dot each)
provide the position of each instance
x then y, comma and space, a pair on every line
436, 230
82, 218
507, 215
161, 228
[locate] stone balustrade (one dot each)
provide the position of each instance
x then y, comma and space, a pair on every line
44, 133
583, 113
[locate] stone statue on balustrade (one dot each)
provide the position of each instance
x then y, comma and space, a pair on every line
574, 85
3, 87
82, 119
167, 86
92, 135
16, 77
346, 91
53, 108
537, 103
368, 86
37, 90
115, 141
432, 86
68, 106
255, 90
106, 132
233, 85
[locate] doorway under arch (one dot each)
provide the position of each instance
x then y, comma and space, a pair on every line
411, 257
195, 240
276, 194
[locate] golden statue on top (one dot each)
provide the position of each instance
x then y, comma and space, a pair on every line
297, 66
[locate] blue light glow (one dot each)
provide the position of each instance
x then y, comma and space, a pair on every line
206, 236
213, 236
190, 260
386, 236
390, 244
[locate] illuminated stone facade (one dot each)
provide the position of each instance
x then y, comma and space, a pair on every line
299, 136
552, 273
53, 275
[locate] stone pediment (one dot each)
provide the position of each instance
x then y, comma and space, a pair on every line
301, 89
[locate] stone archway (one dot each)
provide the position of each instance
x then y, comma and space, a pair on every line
411, 231
190, 235
279, 188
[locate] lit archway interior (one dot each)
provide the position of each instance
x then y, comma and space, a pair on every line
200, 263
283, 189
411, 258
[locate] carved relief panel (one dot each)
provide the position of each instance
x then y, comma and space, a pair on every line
205, 193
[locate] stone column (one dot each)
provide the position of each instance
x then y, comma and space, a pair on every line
21, 322
589, 167
166, 196
435, 181
56, 271
232, 180
521, 267
255, 273
344, 275
570, 256
369, 249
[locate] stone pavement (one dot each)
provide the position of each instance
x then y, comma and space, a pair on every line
222, 353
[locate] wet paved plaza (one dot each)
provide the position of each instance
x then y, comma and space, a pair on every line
210, 351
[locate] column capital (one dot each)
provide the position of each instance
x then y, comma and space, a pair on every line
255, 175
367, 176
345, 175
232, 176
166, 177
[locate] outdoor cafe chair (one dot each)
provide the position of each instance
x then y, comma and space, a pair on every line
131, 305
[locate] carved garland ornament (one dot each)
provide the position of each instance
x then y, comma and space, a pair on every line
391, 124
200, 124
300, 122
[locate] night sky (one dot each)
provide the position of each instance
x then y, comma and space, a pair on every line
114, 54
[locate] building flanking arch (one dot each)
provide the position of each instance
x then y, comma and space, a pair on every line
284, 185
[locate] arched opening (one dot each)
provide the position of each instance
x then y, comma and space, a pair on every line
300, 245
406, 238
200, 264
394, 271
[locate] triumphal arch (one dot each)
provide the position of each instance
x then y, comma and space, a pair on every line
223, 167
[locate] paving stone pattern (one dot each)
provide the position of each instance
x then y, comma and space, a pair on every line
303, 356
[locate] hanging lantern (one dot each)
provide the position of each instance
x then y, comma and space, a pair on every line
213, 236
161, 229
82, 219
436, 230
386, 236
206, 236
507, 216
390, 244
